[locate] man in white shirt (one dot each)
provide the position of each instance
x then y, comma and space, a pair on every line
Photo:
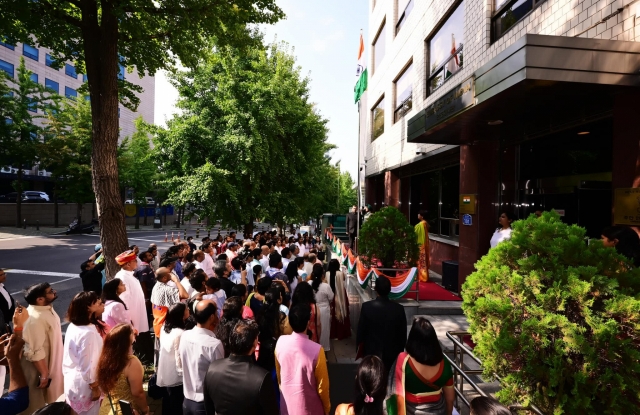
264, 261
7, 307
300, 245
204, 259
286, 258
133, 297
198, 348
232, 251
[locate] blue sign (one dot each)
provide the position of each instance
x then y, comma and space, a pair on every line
466, 219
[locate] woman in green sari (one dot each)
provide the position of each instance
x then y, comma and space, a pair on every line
422, 234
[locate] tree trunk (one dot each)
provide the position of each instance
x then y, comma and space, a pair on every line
248, 229
100, 33
19, 198
137, 217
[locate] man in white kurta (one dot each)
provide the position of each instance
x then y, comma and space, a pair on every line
133, 297
43, 349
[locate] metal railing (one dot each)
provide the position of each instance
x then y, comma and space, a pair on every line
460, 375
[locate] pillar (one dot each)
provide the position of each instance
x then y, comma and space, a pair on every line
391, 189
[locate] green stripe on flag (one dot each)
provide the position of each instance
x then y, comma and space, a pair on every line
361, 85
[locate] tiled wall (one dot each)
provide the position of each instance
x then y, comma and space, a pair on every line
553, 17
127, 117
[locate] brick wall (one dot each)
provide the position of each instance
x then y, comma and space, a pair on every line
553, 17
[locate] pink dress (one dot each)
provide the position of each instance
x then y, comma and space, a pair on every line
115, 313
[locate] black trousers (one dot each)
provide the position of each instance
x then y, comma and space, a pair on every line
190, 407
352, 241
172, 403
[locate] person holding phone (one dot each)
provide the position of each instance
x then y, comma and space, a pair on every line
43, 350
120, 373
17, 400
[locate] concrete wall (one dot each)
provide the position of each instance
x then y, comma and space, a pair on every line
553, 17
44, 212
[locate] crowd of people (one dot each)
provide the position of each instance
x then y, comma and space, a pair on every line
224, 328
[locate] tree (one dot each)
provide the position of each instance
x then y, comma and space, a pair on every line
558, 320
23, 98
388, 237
248, 142
66, 151
148, 35
136, 168
348, 193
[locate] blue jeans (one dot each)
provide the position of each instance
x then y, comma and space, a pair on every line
190, 407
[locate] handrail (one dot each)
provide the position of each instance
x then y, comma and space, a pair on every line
459, 351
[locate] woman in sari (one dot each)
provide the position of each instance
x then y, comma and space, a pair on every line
340, 322
422, 234
421, 379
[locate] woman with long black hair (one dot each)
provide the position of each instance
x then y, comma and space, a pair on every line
294, 273
370, 389
115, 310
340, 323
324, 297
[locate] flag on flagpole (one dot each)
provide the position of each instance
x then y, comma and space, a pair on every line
361, 72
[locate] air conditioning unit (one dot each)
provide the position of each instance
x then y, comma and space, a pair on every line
42, 173
5, 169
26, 172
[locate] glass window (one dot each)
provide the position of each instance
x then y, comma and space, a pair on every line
53, 85
120, 72
84, 78
379, 47
7, 67
70, 70
404, 8
48, 60
437, 192
30, 52
508, 13
3, 42
445, 49
404, 86
70, 92
34, 77
377, 115
33, 105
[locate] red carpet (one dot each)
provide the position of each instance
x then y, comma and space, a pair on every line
432, 291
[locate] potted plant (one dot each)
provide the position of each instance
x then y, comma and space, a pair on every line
557, 319
387, 239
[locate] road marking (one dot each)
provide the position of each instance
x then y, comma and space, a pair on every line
138, 239
45, 273
51, 283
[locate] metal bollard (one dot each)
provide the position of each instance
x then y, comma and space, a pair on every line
197, 233
209, 233
24, 224
185, 235
37, 225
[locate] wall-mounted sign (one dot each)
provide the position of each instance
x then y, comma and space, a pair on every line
451, 103
130, 210
467, 219
468, 204
560, 212
626, 207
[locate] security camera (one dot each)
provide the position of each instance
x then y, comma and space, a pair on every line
420, 153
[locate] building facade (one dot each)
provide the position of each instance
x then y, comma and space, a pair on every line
475, 107
66, 82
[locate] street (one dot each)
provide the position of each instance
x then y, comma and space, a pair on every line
57, 259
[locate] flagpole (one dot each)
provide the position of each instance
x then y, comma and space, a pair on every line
358, 180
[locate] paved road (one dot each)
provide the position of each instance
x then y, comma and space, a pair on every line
57, 259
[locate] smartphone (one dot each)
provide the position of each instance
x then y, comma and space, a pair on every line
125, 407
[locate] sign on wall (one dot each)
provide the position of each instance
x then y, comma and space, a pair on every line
468, 204
626, 207
451, 103
467, 219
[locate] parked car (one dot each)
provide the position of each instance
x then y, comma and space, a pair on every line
42, 195
27, 196
33, 198
150, 201
9, 197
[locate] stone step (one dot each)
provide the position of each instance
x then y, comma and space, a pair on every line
452, 308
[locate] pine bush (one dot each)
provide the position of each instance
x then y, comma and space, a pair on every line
388, 237
558, 320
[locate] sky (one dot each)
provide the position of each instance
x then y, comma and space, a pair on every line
325, 35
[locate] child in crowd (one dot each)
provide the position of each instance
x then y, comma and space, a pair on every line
214, 293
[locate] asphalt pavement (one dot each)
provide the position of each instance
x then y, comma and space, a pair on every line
56, 259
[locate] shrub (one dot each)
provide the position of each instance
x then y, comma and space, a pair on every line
388, 237
558, 320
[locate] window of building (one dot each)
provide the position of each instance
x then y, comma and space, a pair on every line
445, 49
84, 78
34, 77
52, 85
403, 88
377, 117
3, 42
48, 60
437, 192
6, 67
30, 52
33, 105
379, 47
508, 13
70, 92
404, 9
120, 71
70, 70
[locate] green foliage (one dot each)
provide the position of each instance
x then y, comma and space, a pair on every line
136, 169
558, 320
66, 151
348, 194
248, 143
388, 237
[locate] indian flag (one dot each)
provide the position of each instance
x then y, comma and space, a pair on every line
361, 72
